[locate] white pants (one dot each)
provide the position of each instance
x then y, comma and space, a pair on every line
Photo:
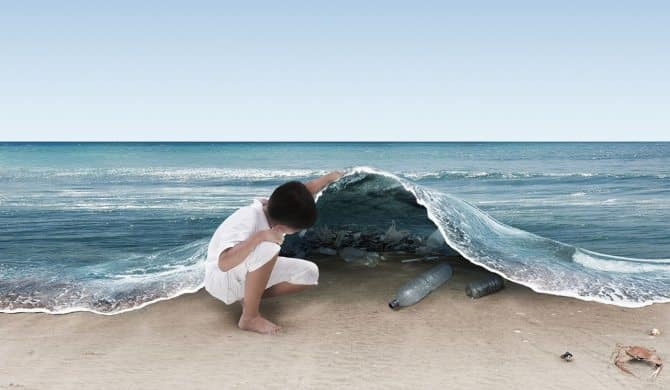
228, 286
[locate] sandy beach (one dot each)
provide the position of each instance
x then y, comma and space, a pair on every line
340, 334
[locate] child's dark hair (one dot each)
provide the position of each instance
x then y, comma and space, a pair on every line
292, 204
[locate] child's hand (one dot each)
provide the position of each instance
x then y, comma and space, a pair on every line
276, 235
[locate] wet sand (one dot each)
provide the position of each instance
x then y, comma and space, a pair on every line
340, 334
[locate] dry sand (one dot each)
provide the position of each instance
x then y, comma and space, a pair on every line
340, 334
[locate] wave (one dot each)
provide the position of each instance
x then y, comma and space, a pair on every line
140, 175
113, 287
364, 199
246, 175
456, 174
367, 194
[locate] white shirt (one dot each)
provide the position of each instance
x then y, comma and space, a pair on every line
238, 227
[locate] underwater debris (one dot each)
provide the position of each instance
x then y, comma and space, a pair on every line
626, 353
423, 250
393, 235
327, 251
323, 233
359, 256
321, 239
435, 240
489, 285
417, 259
338, 240
416, 289
655, 332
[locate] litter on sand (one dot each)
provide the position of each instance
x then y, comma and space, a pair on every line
486, 286
416, 289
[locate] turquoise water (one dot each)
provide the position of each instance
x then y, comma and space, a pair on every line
109, 227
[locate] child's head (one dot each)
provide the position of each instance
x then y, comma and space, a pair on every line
292, 205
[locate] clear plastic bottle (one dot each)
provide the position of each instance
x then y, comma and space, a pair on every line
416, 289
359, 256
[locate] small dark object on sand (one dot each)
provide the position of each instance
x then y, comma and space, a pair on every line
567, 357
486, 286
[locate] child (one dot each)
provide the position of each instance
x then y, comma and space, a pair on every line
242, 258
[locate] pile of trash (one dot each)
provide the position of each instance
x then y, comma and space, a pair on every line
367, 246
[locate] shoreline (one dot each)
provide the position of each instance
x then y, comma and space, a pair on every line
340, 334
457, 260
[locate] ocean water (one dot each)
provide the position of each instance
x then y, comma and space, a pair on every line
111, 227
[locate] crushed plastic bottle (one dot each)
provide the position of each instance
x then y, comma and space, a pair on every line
360, 256
485, 286
416, 289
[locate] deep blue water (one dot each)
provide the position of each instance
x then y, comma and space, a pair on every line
110, 226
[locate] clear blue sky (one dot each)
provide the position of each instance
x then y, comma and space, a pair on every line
334, 70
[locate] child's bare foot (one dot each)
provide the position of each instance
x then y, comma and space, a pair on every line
258, 324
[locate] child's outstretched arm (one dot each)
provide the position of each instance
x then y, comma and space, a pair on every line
316, 185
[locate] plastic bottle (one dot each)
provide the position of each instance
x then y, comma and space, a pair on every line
359, 256
485, 286
327, 251
416, 289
